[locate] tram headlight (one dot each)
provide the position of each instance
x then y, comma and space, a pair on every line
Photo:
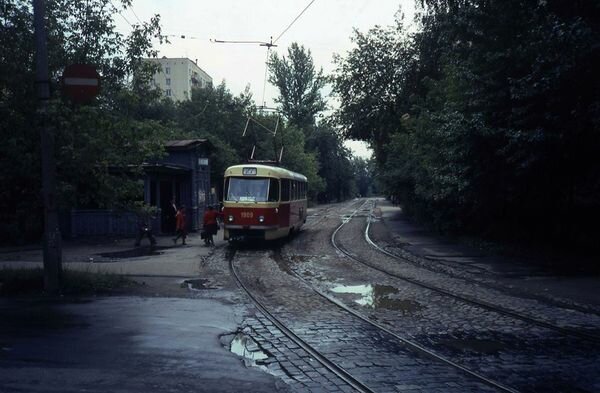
230, 218
276, 210
261, 219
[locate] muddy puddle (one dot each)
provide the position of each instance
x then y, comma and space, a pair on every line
197, 284
378, 296
247, 348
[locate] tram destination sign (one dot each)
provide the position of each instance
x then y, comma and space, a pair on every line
249, 171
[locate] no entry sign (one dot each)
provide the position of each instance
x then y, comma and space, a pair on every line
81, 82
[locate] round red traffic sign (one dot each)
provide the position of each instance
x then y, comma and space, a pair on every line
81, 82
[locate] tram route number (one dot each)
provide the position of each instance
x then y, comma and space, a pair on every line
247, 214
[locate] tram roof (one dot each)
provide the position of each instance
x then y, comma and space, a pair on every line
264, 170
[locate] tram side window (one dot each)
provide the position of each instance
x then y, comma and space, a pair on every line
294, 190
285, 189
273, 190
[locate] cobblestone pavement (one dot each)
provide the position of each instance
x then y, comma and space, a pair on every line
473, 274
524, 356
372, 356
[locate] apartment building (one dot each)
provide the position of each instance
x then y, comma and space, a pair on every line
177, 77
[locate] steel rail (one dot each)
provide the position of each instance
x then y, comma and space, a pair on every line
328, 364
406, 341
328, 209
553, 302
463, 298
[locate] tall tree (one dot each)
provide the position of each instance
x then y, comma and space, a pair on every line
487, 117
89, 140
299, 86
335, 166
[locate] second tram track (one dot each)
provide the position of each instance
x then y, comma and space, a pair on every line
465, 299
330, 365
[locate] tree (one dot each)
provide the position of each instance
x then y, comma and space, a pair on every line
364, 174
90, 140
335, 166
299, 86
485, 119
374, 84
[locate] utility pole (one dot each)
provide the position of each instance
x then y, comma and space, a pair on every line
52, 237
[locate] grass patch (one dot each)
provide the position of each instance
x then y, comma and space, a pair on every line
31, 282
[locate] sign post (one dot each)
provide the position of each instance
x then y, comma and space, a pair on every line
52, 236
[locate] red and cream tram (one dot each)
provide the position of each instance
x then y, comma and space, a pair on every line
263, 202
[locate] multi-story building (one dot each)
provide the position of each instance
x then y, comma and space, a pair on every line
177, 77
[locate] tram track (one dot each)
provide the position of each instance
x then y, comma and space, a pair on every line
568, 334
345, 376
448, 268
488, 306
468, 368
410, 343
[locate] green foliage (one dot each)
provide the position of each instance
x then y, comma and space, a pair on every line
94, 143
487, 118
299, 86
363, 171
373, 84
297, 159
214, 113
335, 165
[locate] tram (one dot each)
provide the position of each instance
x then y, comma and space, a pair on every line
263, 202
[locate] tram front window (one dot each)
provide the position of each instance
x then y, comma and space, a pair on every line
248, 190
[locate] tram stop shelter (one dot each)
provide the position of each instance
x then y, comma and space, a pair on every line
182, 175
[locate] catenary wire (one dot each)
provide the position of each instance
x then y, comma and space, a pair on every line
294, 21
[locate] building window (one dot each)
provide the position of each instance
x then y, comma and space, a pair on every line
167, 70
168, 92
168, 81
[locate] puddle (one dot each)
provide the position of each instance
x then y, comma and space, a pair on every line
197, 284
378, 297
345, 218
245, 347
133, 253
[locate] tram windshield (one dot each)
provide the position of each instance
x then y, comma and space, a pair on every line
247, 189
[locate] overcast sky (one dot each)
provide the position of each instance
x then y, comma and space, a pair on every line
325, 28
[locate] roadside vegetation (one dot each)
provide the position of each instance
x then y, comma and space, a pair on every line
17, 282
484, 116
129, 121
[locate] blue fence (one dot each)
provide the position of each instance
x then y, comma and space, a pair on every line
85, 223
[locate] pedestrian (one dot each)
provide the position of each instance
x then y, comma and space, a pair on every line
171, 216
181, 226
144, 222
211, 225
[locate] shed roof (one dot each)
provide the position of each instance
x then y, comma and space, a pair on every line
185, 144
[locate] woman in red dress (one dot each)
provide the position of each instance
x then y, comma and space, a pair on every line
211, 225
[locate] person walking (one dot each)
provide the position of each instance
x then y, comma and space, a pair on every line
181, 226
144, 224
211, 225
